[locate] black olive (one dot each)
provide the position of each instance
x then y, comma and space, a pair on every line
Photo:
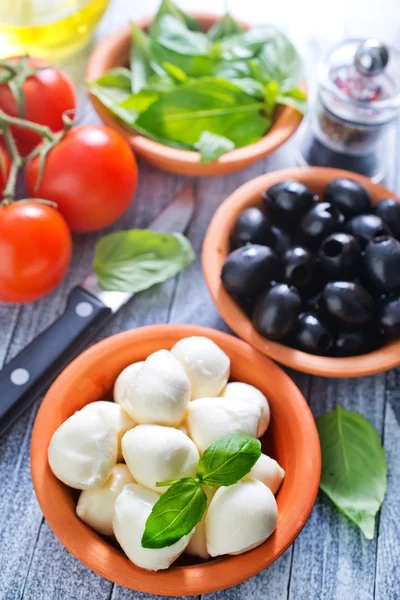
276, 313
298, 266
389, 317
389, 211
322, 220
350, 197
288, 200
282, 240
356, 341
366, 227
347, 302
382, 263
248, 271
252, 227
312, 334
340, 256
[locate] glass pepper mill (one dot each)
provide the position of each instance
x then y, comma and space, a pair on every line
353, 124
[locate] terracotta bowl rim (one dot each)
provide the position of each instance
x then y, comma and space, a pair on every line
213, 254
284, 125
181, 580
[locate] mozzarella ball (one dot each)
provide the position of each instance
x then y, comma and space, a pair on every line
248, 393
206, 365
124, 380
268, 472
240, 517
197, 545
156, 453
96, 507
132, 508
84, 449
160, 392
212, 418
119, 418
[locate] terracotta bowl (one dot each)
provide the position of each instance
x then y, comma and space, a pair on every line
216, 248
291, 438
113, 52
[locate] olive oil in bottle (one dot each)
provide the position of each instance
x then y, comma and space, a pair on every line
50, 29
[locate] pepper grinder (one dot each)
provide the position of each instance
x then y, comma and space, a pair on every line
353, 123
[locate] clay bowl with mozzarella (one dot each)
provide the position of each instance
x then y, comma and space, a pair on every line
104, 432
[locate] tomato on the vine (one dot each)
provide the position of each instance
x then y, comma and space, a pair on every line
4, 169
91, 174
35, 251
48, 93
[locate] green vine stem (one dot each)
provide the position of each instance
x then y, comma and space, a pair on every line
50, 139
16, 164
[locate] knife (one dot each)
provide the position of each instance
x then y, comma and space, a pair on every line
88, 309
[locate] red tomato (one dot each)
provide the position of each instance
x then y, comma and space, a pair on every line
48, 94
35, 250
4, 169
91, 175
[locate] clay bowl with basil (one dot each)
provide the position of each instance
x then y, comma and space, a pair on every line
291, 438
114, 52
216, 248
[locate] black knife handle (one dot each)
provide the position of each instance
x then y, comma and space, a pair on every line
33, 369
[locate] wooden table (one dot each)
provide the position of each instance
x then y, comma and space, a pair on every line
330, 560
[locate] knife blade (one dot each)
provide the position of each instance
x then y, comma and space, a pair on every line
88, 309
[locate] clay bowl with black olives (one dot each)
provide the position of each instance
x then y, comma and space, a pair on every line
310, 276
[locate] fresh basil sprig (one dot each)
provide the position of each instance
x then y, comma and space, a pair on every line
134, 260
229, 459
182, 506
354, 469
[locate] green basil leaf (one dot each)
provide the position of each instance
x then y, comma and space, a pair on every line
280, 61
205, 104
134, 260
175, 514
248, 43
229, 459
271, 93
172, 42
175, 72
167, 7
250, 86
296, 98
354, 469
140, 64
112, 89
213, 146
226, 27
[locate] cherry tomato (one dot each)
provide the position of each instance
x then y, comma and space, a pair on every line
91, 175
35, 250
48, 94
4, 169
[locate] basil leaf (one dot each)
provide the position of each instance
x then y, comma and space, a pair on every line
140, 64
175, 73
226, 27
280, 61
175, 514
172, 42
167, 7
132, 261
205, 104
213, 146
248, 43
250, 86
112, 89
296, 98
354, 469
229, 459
